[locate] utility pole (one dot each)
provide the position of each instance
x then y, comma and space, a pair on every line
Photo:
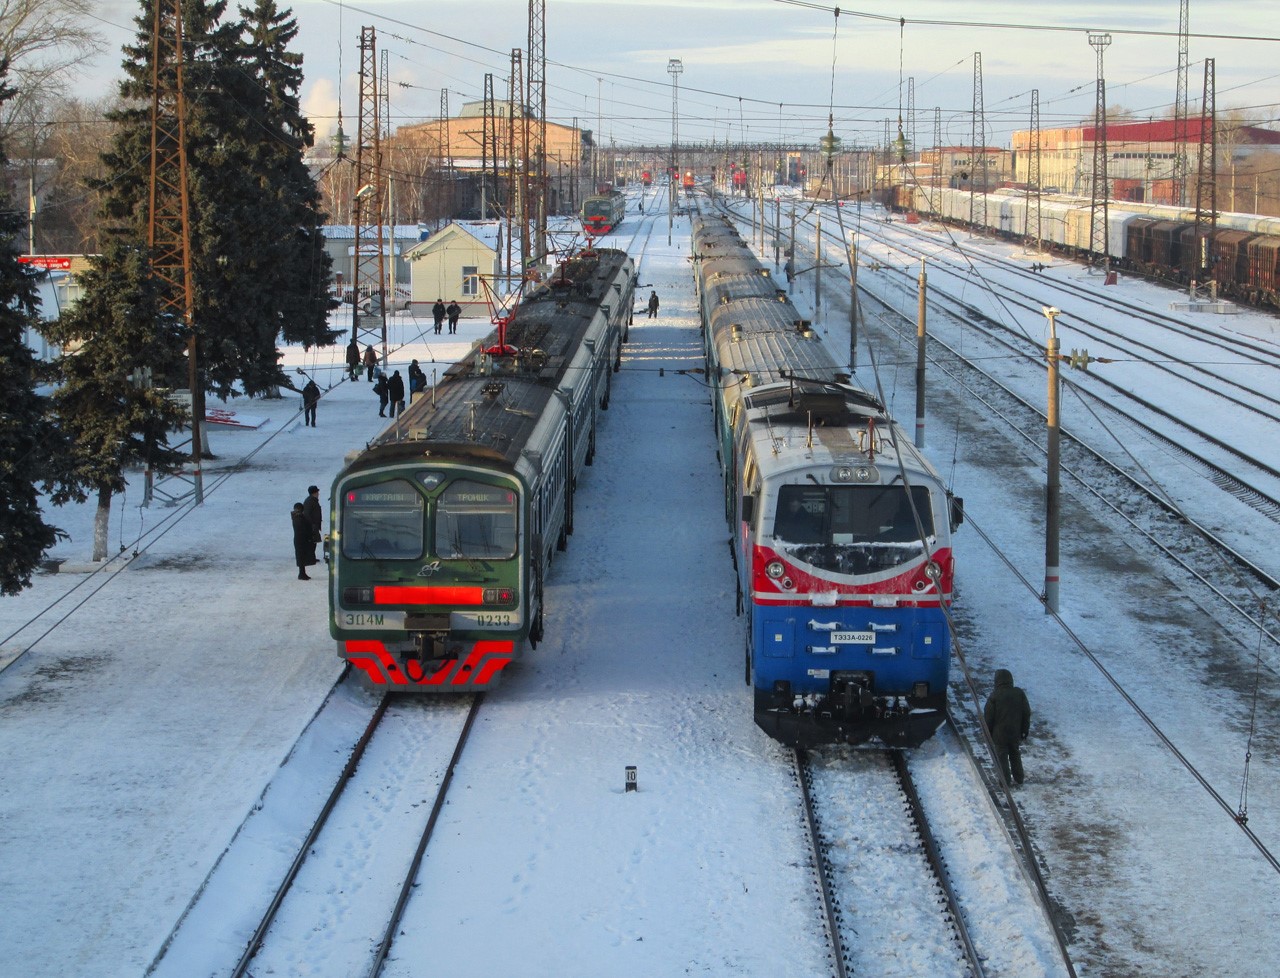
853, 305
169, 207
674, 68
1032, 229
1180, 107
817, 268
488, 149
1206, 184
978, 139
538, 106
369, 269
1099, 240
1052, 570
920, 345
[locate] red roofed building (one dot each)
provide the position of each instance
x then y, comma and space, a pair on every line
1140, 159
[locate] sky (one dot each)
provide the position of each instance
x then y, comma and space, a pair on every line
167, 727
778, 70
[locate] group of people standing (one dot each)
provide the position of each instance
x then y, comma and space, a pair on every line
307, 520
439, 312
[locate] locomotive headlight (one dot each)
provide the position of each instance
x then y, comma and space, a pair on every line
498, 595
774, 569
855, 473
357, 595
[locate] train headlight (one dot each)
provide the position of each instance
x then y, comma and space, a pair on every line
920, 690
774, 569
357, 595
498, 595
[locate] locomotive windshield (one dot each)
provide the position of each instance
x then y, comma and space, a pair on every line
475, 520
383, 521
851, 529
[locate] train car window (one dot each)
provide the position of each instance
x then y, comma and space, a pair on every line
476, 521
383, 522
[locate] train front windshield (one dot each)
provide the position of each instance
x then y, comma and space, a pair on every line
852, 529
394, 521
597, 212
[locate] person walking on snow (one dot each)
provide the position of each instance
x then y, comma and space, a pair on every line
310, 398
437, 314
1008, 717
453, 311
380, 388
653, 305
370, 361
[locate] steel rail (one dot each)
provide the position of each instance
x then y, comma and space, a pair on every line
916, 809
800, 758
410, 879
269, 915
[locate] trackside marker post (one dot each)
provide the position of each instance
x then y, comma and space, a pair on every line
631, 784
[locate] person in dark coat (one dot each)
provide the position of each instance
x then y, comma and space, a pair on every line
310, 398
395, 393
417, 380
1008, 716
304, 550
315, 518
381, 389
653, 305
453, 310
370, 361
353, 359
438, 314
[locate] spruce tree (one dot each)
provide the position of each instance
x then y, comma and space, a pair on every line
113, 401
258, 268
298, 271
28, 440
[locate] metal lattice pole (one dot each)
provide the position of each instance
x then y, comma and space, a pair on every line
369, 273
169, 203
1180, 107
1033, 229
1206, 182
1099, 245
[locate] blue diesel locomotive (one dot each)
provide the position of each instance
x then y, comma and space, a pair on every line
841, 528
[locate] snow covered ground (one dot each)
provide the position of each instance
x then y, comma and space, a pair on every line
147, 705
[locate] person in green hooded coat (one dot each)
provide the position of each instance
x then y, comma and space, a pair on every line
1008, 716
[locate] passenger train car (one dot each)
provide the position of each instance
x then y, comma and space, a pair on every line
841, 529
603, 212
443, 528
1241, 254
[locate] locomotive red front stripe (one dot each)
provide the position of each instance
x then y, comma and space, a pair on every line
419, 594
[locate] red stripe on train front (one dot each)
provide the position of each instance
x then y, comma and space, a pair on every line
417, 594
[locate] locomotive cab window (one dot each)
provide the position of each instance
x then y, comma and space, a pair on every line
383, 521
476, 521
851, 529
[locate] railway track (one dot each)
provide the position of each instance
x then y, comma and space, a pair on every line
876, 860
352, 863
1122, 486
1198, 550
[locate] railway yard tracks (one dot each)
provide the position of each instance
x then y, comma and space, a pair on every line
348, 868
1216, 550
873, 849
